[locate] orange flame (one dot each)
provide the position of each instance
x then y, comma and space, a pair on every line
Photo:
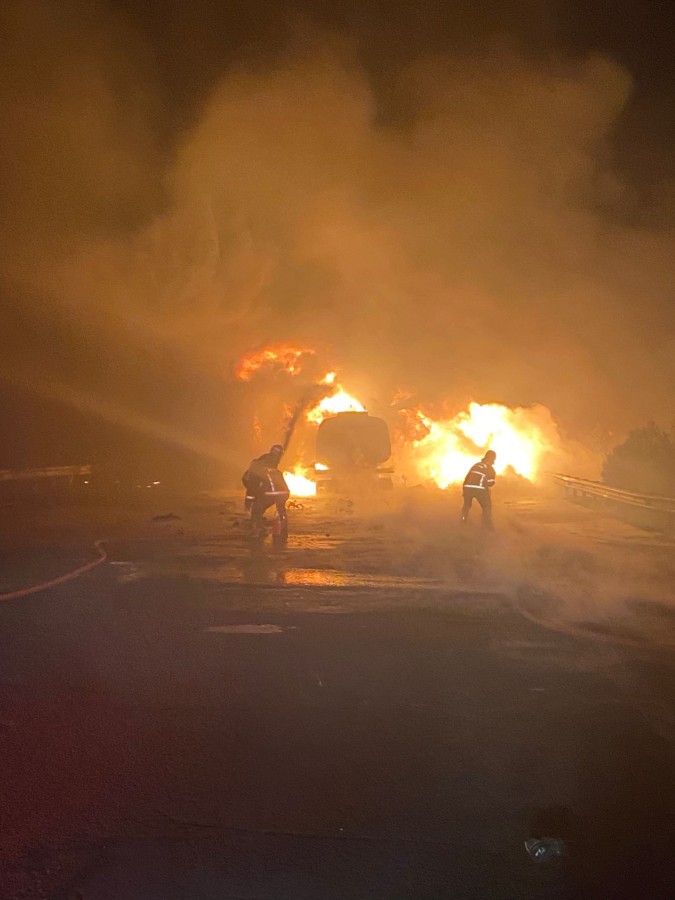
293, 360
444, 450
279, 357
337, 402
298, 482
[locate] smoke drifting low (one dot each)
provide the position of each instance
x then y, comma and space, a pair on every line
474, 246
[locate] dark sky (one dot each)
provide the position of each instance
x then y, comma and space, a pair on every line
464, 200
193, 44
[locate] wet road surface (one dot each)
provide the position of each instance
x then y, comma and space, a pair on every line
204, 718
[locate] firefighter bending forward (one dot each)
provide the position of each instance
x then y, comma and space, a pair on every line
479, 479
266, 486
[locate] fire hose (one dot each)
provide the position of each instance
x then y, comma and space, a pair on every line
293, 421
62, 579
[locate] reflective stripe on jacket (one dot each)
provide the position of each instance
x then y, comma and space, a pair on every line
480, 476
261, 478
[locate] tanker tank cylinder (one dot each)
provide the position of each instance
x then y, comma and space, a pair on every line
352, 444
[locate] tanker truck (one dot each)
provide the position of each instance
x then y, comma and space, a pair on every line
351, 449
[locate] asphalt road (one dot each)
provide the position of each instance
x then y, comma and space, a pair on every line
202, 718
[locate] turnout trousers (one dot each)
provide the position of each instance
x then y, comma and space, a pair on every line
482, 495
263, 503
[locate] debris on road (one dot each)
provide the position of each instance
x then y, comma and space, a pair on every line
545, 849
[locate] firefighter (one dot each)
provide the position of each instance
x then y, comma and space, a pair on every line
479, 480
266, 486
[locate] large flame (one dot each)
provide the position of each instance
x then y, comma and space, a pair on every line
438, 449
444, 450
298, 482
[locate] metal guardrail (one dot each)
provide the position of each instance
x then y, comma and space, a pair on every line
45, 472
582, 487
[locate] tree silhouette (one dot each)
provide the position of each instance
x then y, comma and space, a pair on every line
644, 463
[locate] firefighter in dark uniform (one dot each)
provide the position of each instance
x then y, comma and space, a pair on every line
266, 486
479, 480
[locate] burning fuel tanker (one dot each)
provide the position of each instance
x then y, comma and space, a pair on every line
428, 447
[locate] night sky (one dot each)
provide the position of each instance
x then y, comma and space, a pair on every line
461, 200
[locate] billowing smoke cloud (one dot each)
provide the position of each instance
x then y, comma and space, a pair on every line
475, 249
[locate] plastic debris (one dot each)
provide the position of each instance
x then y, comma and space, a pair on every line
545, 849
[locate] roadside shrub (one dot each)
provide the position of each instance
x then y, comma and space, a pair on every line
644, 463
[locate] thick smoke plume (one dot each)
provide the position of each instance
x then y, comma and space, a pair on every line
476, 247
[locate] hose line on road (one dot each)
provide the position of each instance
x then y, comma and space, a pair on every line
62, 579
